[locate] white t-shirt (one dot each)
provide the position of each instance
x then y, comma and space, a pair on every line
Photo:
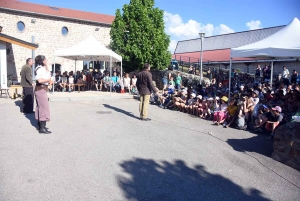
126, 81
42, 73
71, 80
134, 81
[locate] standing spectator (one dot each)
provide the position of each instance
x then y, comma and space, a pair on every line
264, 72
257, 73
209, 74
178, 81
285, 76
145, 86
268, 75
167, 76
294, 77
26, 83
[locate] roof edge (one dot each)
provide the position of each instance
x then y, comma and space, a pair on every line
55, 16
231, 33
33, 45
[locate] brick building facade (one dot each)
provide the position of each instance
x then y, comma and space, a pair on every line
53, 28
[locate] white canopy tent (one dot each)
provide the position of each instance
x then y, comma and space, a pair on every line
283, 44
89, 50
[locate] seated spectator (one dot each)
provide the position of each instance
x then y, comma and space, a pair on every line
99, 80
71, 83
189, 105
179, 101
264, 115
126, 81
276, 101
276, 120
248, 107
219, 115
107, 82
163, 97
202, 107
208, 109
64, 82
133, 88
197, 104
232, 108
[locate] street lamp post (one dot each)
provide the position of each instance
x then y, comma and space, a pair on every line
201, 72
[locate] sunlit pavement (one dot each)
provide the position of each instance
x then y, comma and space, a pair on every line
100, 150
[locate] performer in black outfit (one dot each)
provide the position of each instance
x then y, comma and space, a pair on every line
26, 83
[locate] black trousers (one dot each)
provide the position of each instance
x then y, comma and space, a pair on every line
28, 99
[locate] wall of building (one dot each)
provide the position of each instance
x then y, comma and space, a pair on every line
48, 34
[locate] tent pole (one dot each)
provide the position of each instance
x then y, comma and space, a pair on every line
271, 79
121, 70
230, 68
110, 76
53, 75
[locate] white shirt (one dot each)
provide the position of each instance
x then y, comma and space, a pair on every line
42, 73
285, 73
126, 81
71, 80
134, 81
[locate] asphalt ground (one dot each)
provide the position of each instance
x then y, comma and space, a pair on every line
100, 150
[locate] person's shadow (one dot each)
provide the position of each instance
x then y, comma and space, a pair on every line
29, 116
258, 144
146, 179
121, 111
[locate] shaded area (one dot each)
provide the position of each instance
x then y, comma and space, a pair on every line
258, 144
29, 116
147, 179
120, 111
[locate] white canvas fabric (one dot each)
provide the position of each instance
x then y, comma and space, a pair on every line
283, 44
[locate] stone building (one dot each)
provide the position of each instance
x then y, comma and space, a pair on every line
51, 28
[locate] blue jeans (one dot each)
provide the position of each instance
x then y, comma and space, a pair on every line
177, 86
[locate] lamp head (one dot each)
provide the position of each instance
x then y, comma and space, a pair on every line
201, 35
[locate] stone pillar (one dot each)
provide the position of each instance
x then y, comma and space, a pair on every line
3, 65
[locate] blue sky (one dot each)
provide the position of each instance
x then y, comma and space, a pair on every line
185, 19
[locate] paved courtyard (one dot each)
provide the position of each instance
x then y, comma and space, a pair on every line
99, 150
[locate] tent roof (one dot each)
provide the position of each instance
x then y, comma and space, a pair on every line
88, 50
283, 44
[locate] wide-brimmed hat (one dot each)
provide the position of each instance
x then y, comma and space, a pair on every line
277, 108
224, 98
193, 95
199, 96
217, 98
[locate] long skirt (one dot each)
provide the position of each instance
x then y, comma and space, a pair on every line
42, 110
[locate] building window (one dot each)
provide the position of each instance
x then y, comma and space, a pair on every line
21, 26
64, 31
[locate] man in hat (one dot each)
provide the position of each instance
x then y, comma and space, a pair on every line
26, 83
145, 86
276, 120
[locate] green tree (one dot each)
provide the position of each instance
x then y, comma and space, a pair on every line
138, 35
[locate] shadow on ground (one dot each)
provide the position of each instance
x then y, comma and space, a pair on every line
30, 117
147, 179
121, 111
258, 144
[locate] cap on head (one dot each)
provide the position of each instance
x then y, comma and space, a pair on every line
277, 108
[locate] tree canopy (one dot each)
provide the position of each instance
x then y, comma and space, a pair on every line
138, 35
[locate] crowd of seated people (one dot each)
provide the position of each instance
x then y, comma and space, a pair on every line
253, 105
94, 80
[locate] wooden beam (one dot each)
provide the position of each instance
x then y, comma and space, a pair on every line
27, 45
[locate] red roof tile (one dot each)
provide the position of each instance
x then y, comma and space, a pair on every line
55, 11
211, 56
